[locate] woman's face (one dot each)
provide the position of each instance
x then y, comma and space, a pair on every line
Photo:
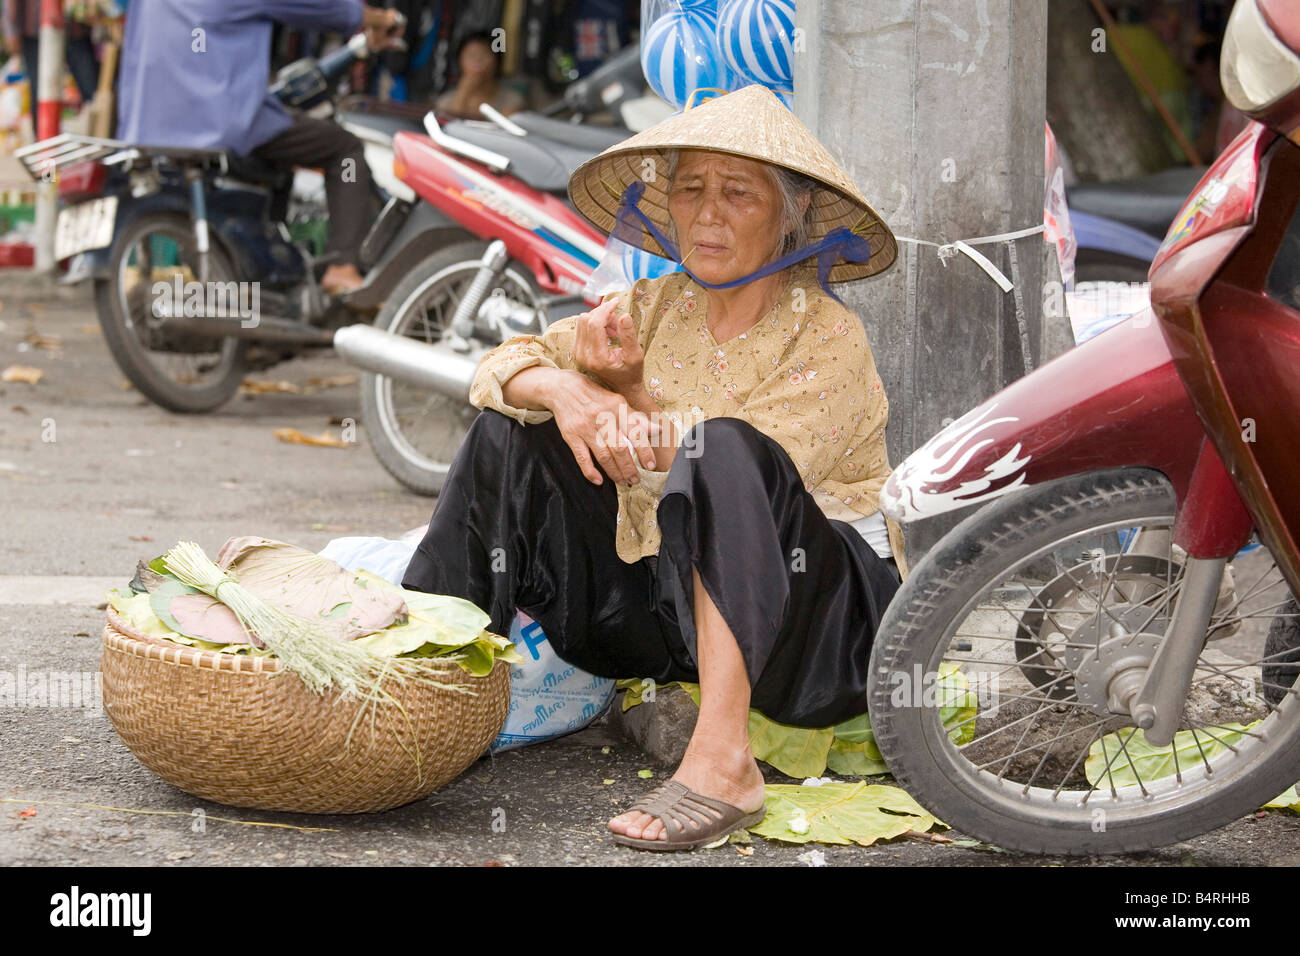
727, 212
477, 60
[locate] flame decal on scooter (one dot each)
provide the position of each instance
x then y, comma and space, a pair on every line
943, 457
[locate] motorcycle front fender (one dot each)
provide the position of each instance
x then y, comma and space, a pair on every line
1114, 401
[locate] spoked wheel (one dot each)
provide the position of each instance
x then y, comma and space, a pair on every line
180, 372
415, 432
1033, 617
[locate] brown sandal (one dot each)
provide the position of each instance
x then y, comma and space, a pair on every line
690, 820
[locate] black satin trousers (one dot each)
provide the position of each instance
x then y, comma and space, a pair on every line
517, 525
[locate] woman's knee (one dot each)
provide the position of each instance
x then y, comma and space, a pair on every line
720, 437
729, 443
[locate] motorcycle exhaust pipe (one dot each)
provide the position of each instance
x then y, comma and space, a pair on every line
267, 329
403, 359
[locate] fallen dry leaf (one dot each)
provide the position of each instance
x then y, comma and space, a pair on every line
745, 850
331, 381
292, 436
22, 373
252, 386
28, 813
38, 341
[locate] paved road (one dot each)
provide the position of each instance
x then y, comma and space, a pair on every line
123, 480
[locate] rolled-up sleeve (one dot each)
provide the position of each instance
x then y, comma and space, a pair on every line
552, 349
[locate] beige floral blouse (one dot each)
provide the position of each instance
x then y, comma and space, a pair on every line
803, 374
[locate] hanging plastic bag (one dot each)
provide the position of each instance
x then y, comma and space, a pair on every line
621, 266
1056, 213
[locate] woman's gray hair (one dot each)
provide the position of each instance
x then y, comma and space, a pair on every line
792, 187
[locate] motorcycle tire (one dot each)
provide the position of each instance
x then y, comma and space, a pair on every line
133, 356
416, 465
974, 559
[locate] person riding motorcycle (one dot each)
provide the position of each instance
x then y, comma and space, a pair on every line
194, 74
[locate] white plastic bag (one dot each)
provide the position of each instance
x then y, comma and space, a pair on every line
621, 266
548, 698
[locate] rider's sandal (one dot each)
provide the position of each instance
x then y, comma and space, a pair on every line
690, 820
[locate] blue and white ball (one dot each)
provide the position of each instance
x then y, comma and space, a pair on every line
757, 39
679, 54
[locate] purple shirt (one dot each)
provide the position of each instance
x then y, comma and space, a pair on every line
194, 73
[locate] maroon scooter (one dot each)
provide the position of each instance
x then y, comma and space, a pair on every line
1102, 657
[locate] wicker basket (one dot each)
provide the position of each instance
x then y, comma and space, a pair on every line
244, 732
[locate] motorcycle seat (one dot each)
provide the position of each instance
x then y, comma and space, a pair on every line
540, 162
1148, 203
581, 135
251, 169
386, 125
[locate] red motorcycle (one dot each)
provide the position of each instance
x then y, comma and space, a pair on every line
1102, 658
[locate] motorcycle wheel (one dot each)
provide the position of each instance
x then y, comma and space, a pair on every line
178, 372
415, 433
1032, 770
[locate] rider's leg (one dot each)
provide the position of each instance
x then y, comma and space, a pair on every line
340, 156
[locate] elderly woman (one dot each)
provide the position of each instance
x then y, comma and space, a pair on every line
682, 483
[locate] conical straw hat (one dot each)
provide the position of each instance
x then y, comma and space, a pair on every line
753, 123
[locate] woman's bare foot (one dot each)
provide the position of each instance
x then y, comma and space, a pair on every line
712, 767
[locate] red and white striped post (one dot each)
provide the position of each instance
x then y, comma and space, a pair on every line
49, 104
49, 91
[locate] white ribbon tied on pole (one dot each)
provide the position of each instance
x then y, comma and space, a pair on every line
946, 250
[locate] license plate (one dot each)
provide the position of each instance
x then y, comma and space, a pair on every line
88, 225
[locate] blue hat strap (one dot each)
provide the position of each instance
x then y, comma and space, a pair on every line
838, 242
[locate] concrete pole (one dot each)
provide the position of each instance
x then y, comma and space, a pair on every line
49, 99
937, 110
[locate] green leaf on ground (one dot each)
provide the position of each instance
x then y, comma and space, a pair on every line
795, 751
1130, 756
855, 760
1287, 800
841, 813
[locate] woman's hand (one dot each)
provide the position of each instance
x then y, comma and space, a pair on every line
597, 424
620, 365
